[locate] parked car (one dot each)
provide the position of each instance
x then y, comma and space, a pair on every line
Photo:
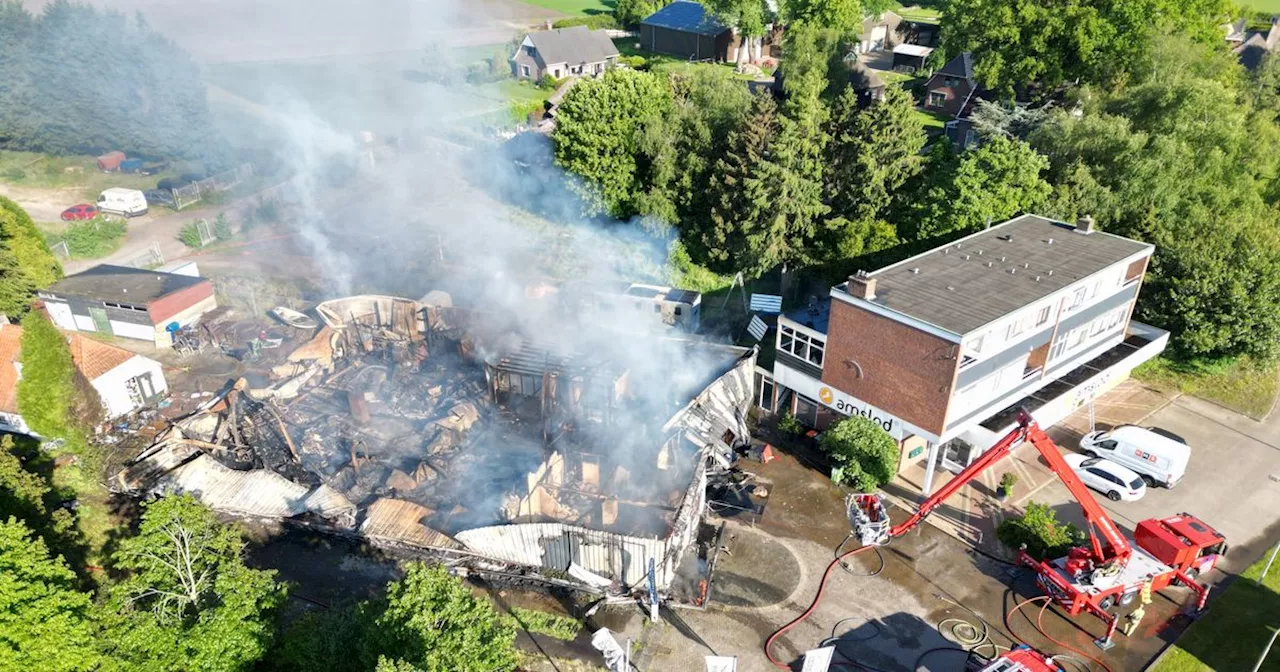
120, 201
1160, 460
160, 197
1118, 483
172, 183
79, 212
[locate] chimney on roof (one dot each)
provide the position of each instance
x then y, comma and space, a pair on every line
1085, 224
862, 286
548, 25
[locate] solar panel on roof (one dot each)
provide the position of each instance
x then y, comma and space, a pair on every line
690, 17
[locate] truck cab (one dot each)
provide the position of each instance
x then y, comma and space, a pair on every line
1182, 541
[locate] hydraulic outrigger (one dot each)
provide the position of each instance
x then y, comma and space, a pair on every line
1111, 570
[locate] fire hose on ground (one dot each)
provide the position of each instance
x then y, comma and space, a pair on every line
963, 632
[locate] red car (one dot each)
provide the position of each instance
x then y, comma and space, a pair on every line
82, 211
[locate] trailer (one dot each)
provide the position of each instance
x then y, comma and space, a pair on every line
1110, 571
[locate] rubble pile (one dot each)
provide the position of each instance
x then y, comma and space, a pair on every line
390, 423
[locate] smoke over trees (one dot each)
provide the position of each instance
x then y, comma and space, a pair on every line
77, 80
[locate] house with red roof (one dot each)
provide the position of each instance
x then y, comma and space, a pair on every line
125, 381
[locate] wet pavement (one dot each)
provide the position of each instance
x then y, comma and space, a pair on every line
886, 618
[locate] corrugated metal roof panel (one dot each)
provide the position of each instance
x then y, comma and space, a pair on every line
260, 492
400, 521
556, 545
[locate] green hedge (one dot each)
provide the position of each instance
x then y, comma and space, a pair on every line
594, 22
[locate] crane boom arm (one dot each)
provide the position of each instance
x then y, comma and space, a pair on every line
1116, 546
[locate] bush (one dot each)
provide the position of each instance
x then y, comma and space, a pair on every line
865, 456
91, 239
552, 625
789, 424
594, 22
1040, 532
635, 62
222, 227
189, 234
15, 174
1007, 481
547, 82
267, 211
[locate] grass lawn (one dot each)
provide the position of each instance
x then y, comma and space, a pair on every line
42, 171
933, 120
1268, 6
576, 7
1242, 385
1232, 634
930, 11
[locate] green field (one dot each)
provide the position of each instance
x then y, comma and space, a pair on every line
1232, 634
575, 7
41, 171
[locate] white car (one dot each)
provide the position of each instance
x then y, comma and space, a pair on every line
1117, 482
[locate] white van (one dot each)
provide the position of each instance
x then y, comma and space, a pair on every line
120, 201
1158, 459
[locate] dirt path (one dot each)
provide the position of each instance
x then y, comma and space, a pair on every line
44, 205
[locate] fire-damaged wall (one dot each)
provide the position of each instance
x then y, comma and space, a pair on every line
711, 424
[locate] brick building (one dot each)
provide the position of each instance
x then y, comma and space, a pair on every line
128, 302
942, 348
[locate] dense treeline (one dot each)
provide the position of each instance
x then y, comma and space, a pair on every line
178, 596
1160, 135
26, 264
76, 79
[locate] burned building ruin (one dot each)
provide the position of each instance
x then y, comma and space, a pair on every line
436, 430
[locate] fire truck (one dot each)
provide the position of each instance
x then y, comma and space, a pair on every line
1110, 571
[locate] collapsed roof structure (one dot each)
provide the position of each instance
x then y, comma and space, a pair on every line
431, 429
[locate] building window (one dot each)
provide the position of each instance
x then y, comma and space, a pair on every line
765, 385
1042, 316
975, 344
678, 311
531, 51
936, 99
524, 71
657, 308
1077, 298
806, 411
801, 345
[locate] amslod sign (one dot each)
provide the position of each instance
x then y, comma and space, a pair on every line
847, 405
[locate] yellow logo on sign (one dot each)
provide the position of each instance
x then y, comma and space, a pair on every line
825, 395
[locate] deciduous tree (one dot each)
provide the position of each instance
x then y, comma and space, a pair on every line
598, 130
432, 622
187, 601
1016, 43
996, 181
44, 619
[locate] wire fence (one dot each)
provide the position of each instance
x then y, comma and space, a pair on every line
197, 191
61, 251
152, 258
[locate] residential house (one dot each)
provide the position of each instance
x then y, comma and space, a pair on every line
943, 348
687, 30
128, 302
1256, 45
868, 83
879, 31
563, 52
953, 91
124, 381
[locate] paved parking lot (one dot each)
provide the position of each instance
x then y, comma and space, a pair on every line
1233, 482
